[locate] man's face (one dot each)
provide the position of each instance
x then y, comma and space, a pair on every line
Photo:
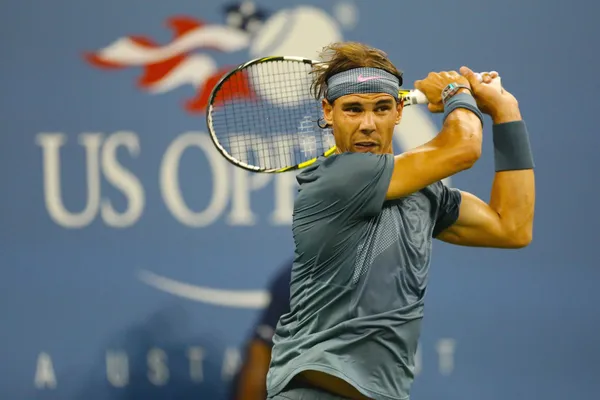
363, 122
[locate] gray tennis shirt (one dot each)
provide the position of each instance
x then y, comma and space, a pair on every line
359, 277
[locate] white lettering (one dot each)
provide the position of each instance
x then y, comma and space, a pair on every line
285, 191
243, 183
285, 150
231, 362
292, 143
445, 349
248, 148
196, 356
171, 190
101, 158
44, 372
51, 144
117, 368
122, 179
158, 372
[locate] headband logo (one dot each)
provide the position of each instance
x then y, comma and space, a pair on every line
366, 78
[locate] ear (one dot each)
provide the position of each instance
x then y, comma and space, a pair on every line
327, 112
399, 108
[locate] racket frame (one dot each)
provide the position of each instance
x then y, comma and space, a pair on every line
407, 96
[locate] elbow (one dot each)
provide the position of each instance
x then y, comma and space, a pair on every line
519, 240
468, 154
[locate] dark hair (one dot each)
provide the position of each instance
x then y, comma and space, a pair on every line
343, 56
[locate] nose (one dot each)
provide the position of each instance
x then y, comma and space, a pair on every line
367, 124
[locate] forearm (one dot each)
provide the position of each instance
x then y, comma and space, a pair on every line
252, 386
506, 221
513, 189
462, 129
253, 375
456, 148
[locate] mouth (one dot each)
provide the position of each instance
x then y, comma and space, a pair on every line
365, 146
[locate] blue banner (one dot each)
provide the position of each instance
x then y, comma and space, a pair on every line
135, 259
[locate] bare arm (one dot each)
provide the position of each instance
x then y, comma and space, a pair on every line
456, 148
253, 375
507, 221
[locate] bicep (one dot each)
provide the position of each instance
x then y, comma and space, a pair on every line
477, 225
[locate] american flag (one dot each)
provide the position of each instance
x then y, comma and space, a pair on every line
181, 61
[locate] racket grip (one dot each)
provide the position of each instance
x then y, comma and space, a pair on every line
415, 97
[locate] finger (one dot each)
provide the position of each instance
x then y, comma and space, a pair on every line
497, 83
471, 77
432, 107
494, 74
435, 108
432, 75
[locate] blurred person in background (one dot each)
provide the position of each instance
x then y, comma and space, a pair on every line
250, 381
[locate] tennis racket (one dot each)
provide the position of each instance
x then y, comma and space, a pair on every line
263, 117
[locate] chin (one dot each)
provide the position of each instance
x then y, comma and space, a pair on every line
374, 150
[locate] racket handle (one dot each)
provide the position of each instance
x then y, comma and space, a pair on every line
417, 97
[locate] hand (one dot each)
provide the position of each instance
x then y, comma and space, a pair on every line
433, 85
492, 99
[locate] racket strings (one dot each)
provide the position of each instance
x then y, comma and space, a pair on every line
265, 116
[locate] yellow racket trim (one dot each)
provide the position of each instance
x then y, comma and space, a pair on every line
308, 162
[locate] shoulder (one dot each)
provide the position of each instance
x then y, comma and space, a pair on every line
356, 161
438, 194
434, 190
439, 189
355, 165
445, 200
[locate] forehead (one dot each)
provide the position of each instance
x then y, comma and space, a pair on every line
365, 99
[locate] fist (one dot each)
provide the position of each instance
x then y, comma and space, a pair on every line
491, 97
433, 85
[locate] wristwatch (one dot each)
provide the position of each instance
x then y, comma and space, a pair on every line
451, 90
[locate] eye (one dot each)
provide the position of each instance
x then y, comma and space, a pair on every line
353, 109
383, 108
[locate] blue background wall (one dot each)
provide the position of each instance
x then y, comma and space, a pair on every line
133, 259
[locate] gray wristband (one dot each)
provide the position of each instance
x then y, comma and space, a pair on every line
462, 100
512, 150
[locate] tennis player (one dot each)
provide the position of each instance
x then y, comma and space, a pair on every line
364, 220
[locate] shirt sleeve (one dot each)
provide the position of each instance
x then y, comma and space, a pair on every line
354, 183
279, 289
448, 207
